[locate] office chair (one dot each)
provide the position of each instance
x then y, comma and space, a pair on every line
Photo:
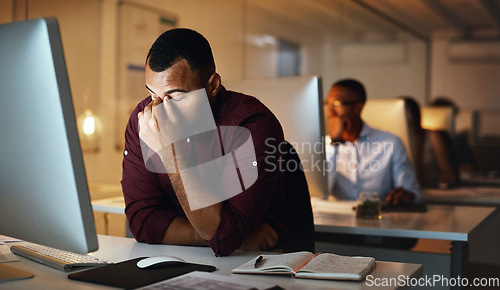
444, 149
298, 203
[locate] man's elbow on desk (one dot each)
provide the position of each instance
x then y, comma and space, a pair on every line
181, 232
223, 242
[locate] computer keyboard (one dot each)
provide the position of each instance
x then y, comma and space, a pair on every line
55, 258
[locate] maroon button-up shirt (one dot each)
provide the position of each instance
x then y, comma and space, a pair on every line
151, 203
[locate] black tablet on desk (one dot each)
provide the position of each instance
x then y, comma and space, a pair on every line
127, 275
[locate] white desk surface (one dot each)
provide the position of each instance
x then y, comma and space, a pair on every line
116, 249
440, 222
465, 195
481, 178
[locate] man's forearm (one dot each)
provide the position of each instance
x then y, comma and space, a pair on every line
205, 221
181, 232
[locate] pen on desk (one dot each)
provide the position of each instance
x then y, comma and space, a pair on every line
258, 262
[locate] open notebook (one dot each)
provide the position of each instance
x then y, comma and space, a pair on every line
309, 265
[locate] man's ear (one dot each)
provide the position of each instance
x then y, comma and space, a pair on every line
213, 85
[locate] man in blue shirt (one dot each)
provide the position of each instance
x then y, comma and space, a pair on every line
361, 158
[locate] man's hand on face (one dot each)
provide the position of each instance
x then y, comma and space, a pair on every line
151, 121
264, 237
149, 131
400, 196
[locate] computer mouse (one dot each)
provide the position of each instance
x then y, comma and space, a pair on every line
159, 261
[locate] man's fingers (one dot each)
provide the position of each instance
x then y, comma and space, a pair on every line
147, 111
140, 118
156, 101
274, 234
147, 117
148, 106
271, 243
407, 197
152, 124
152, 121
400, 196
271, 236
395, 195
155, 112
397, 198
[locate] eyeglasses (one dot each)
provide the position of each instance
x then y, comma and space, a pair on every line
338, 103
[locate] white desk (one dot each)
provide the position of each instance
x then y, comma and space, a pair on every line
440, 222
464, 195
480, 178
117, 249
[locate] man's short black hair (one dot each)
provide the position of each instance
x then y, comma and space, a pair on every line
182, 43
355, 86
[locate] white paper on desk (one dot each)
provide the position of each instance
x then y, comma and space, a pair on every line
6, 255
332, 206
204, 280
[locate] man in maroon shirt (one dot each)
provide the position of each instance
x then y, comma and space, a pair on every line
181, 61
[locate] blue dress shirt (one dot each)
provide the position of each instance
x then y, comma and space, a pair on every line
376, 162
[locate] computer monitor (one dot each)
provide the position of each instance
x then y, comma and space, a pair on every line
297, 102
438, 119
44, 196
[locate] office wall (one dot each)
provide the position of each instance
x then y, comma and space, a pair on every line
80, 45
468, 73
219, 21
387, 69
469, 76
6, 11
261, 32
79, 22
84, 42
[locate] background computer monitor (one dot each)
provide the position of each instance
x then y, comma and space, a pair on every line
297, 102
394, 120
438, 119
43, 189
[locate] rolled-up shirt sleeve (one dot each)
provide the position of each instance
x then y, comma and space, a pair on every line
243, 212
149, 208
